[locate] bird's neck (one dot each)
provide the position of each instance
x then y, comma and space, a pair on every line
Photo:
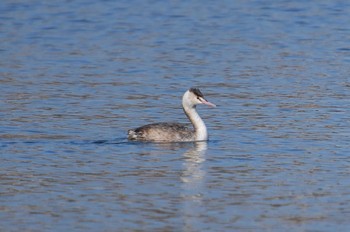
200, 129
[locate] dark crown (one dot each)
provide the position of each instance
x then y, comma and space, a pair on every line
197, 92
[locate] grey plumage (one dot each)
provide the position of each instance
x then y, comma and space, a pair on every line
163, 131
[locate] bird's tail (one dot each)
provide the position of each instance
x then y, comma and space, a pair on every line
132, 135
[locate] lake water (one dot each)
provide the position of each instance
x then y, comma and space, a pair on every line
76, 75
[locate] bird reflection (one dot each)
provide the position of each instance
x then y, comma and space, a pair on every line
193, 176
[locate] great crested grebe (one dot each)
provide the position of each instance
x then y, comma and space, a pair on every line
177, 132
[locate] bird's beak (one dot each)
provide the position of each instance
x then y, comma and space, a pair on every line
205, 102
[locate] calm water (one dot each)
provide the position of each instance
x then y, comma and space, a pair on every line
75, 75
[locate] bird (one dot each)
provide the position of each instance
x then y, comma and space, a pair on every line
177, 132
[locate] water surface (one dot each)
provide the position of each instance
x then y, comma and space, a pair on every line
76, 75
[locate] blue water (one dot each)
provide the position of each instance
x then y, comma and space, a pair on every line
76, 75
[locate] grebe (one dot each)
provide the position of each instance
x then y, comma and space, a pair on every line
177, 132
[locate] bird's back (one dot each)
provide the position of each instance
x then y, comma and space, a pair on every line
162, 132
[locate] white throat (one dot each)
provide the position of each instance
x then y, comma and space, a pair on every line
200, 129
